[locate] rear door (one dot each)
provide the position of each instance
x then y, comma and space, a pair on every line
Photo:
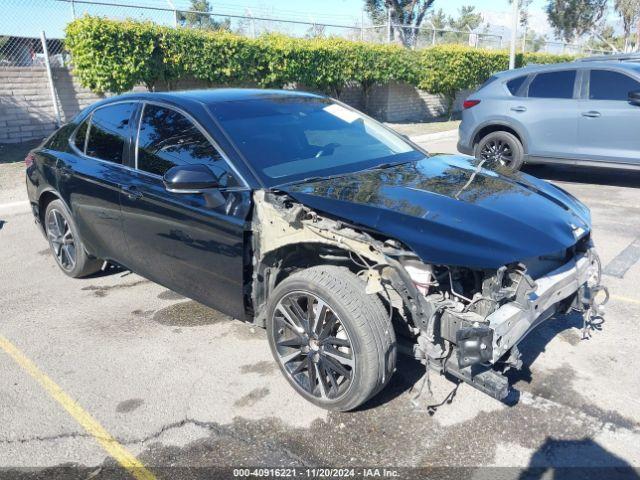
550, 114
609, 126
189, 242
90, 177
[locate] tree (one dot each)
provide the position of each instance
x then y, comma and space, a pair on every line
468, 19
571, 19
204, 20
629, 11
406, 16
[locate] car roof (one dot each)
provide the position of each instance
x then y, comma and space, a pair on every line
212, 96
620, 65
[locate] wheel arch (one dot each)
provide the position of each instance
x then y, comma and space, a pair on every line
499, 126
45, 198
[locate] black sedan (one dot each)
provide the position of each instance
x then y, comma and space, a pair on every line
297, 213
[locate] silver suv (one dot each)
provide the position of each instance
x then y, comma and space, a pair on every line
580, 113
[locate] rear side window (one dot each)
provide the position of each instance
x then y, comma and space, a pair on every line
553, 85
514, 84
81, 136
167, 138
608, 85
109, 132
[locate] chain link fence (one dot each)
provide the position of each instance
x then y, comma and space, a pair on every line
22, 22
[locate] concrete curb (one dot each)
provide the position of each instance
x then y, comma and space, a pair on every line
429, 137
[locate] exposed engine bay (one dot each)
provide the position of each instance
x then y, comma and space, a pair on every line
463, 322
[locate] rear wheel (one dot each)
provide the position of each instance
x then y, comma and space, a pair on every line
65, 243
333, 342
500, 149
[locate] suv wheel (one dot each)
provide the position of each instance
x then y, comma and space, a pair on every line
333, 342
500, 149
65, 243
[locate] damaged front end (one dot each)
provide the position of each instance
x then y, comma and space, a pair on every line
483, 316
459, 321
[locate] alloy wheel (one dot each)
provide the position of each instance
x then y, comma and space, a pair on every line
61, 239
313, 346
497, 151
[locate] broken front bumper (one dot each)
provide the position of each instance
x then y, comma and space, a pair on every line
574, 285
513, 321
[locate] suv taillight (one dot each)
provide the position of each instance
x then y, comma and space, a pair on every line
470, 103
28, 160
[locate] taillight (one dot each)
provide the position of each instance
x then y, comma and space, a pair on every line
29, 159
470, 103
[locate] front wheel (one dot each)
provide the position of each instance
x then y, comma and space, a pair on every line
500, 149
333, 342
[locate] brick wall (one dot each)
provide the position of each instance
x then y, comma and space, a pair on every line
26, 109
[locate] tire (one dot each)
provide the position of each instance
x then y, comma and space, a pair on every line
501, 150
360, 338
65, 242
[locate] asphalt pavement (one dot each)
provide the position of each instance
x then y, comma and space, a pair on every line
169, 383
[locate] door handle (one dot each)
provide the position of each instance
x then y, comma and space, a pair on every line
132, 192
519, 109
591, 114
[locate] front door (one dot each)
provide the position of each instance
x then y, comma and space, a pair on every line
192, 243
609, 126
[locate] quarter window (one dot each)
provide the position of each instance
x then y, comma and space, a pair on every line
167, 138
109, 132
553, 85
514, 84
608, 85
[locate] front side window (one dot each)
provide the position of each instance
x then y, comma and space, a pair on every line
608, 85
167, 138
109, 131
292, 138
553, 84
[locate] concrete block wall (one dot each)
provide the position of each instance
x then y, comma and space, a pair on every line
401, 102
26, 107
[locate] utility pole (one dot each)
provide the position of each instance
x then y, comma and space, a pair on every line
389, 24
514, 33
638, 36
175, 13
73, 10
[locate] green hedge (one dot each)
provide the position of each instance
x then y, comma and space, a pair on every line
113, 56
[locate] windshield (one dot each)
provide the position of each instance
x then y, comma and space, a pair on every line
292, 138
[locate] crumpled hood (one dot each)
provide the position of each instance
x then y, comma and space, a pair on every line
450, 212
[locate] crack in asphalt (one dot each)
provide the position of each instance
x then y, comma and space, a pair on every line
213, 427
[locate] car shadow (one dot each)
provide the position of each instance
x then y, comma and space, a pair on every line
536, 342
581, 459
408, 372
579, 174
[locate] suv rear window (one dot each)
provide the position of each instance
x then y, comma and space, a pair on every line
608, 85
553, 84
109, 132
515, 83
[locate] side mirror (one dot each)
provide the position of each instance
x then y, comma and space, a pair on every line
634, 98
190, 179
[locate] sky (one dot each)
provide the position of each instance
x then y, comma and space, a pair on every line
29, 17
